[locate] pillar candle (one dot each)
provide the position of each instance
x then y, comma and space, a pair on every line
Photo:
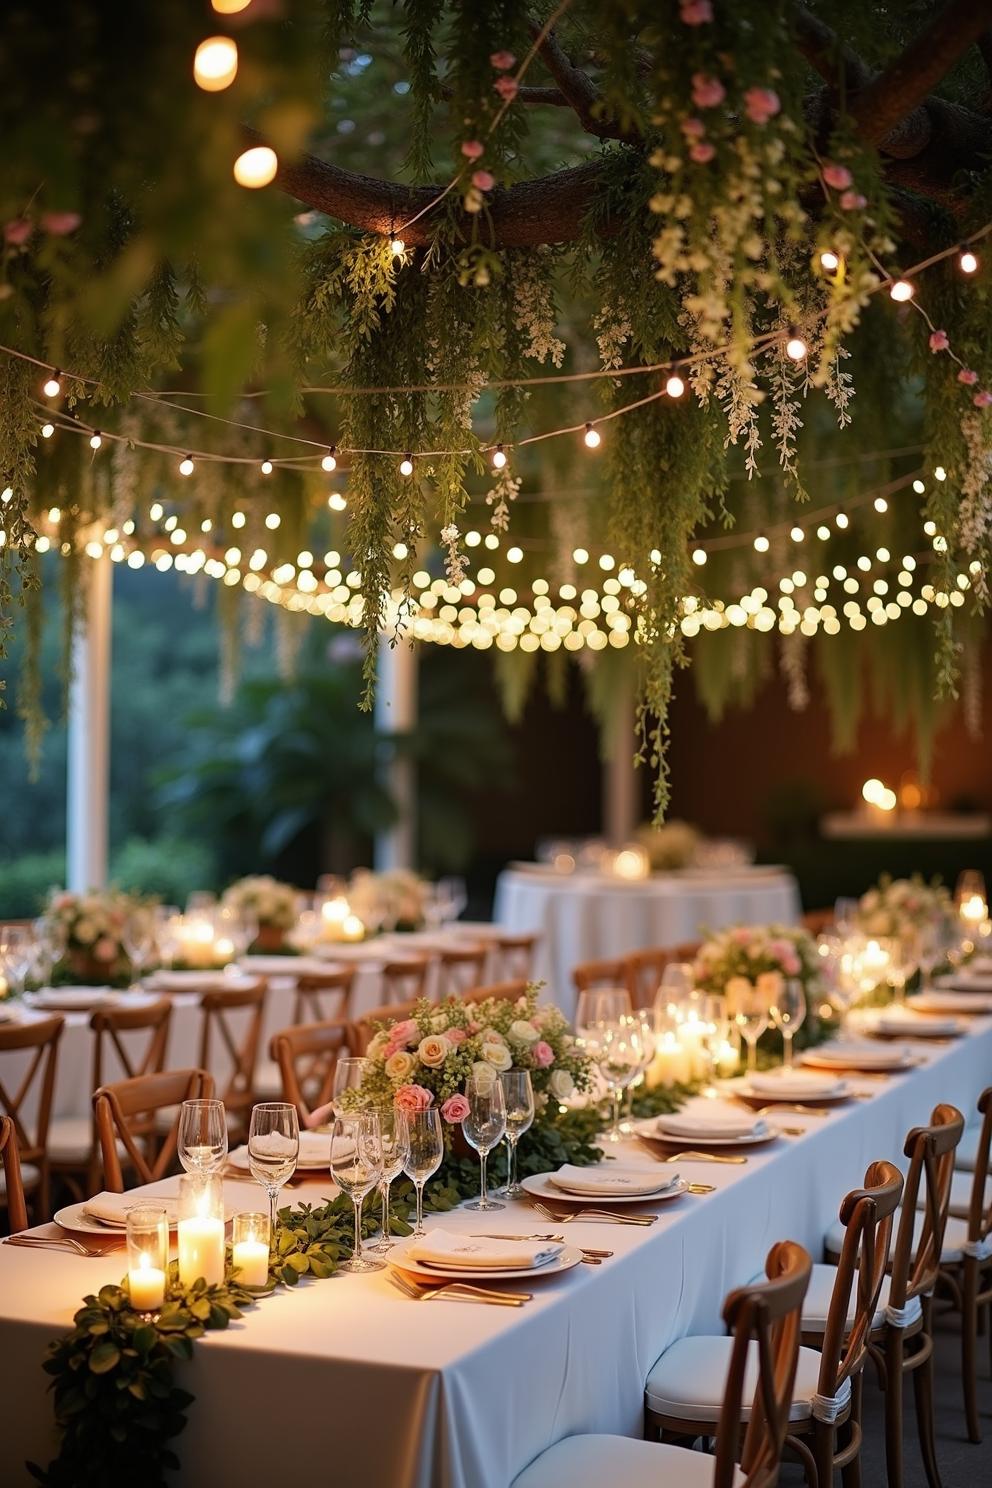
201, 1250
146, 1284
251, 1262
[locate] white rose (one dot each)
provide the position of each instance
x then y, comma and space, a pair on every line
399, 1066
523, 1032
498, 1055
483, 1073
434, 1050
377, 1046
439, 1023
85, 932
561, 1084
493, 1036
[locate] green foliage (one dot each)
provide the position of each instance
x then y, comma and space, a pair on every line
25, 880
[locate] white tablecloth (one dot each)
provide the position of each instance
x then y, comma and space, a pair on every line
376, 1389
586, 916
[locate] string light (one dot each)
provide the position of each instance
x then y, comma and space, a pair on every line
968, 262
238, 519
499, 457
186, 466
829, 260
902, 290
215, 64
397, 247
797, 534
256, 167
272, 521
674, 387
881, 505
47, 430
939, 473
329, 462
592, 437
230, 7
699, 557
336, 501
761, 543
266, 467
52, 385
795, 347
96, 439
841, 521
406, 465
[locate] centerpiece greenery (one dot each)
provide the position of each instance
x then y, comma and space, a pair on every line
273, 904
90, 929
902, 908
753, 952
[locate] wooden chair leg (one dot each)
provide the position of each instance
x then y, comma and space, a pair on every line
850, 1473
824, 1438
893, 1407
969, 1347
923, 1392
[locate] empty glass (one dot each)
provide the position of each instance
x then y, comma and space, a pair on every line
787, 1012
16, 955
138, 940
601, 1005
518, 1098
356, 1167
484, 1126
678, 982
424, 1151
618, 1050
348, 1075
749, 1009
273, 1149
846, 915
393, 1132
201, 1141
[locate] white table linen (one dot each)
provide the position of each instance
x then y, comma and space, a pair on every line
378, 1389
588, 916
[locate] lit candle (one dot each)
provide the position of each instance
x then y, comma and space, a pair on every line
631, 863
725, 1060
334, 913
974, 911
146, 1283
251, 1262
671, 1064
352, 928
692, 1035
201, 1230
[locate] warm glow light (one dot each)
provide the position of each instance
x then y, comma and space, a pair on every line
47, 430
52, 386
499, 457
96, 439
186, 467
592, 437
230, 7
329, 462
795, 347
336, 501
797, 534
215, 65
902, 290
967, 263
881, 505
761, 543
272, 521
829, 260
841, 520
266, 467
397, 247
256, 167
879, 795
674, 387
406, 465
699, 556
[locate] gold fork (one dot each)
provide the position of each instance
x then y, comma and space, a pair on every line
692, 1156
64, 1242
608, 1215
599, 1255
458, 1291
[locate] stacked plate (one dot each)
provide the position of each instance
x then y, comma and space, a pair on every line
446, 1254
72, 999
952, 1002
604, 1183
968, 979
106, 1213
850, 1054
907, 1023
792, 1086
715, 1127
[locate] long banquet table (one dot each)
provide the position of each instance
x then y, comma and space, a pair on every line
365, 1387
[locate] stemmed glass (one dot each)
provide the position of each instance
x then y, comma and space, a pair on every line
424, 1151
846, 915
348, 1075
484, 1126
16, 953
649, 1042
678, 982
518, 1098
788, 1012
749, 1009
273, 1150
618, 1049
601, 1005
394, 1141
201, 1140
357, 1168
138, 940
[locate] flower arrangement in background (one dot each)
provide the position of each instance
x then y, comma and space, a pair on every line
900, 908
751, 952
393, 900
91, 929
273, 904
671, 846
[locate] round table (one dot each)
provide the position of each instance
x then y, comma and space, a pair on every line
586, 916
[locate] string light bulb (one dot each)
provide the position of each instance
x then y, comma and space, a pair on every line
266, 467
699, 557
674, 387
761, 543
797, 534
406, 465
499, 457
215, 64
329, 462
256, 167
968, 262
52, 385
47, 430
96, 439
795, 347
830, 260
881, 505
592, 437
397, 247
230, 7
841, 520
902, 290
186, 466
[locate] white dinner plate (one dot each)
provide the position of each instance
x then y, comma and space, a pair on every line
813, 1093
287, 966
71, 999
863, 1060
568, 1257
74, 1217
649, 1128
952, 1002
540, 1185
923, 1026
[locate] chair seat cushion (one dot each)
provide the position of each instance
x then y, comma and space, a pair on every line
955, 1234
594, 1461
819, 1293
967, 1148
688, 1380
30, 1178
69, 1139
268, 1081
961, 1194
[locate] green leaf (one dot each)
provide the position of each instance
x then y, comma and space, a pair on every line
104, 1357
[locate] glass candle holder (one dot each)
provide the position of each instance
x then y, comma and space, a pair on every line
250, 1249
147, 1256
201, 1229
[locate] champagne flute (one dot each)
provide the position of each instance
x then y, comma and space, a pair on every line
424, 1151
750, 1013
395, 1139
273, 1150
518, 1098
357, 1168
201, 1140
645, 1017
601, 1005
618, 1051
348, 1075
788, 1012
138, 940
484, 1126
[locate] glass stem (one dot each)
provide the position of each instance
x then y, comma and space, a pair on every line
357, 1253
787, 1041
420, 1208
483, 1156
384, 1195
752, 1055
273, 1206
616, 1114
511, 1165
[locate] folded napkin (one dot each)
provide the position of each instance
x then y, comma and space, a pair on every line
951, 1002
608, 1180
715, 1125
460, 1252
111, 1208
967, 979
81, 998
315, 1151
795, 1085
856, 1055
917, 1027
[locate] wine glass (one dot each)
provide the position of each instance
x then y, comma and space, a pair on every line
645, 1017
601, 1005
394, 1137
749, 1009
787, 1012
424, 1151
16, 952
357, 1168
846, 915
484, 1126
138, 940
518, 1098
348, 1075
678, 982
618, 1049
201, 1140
273, 1149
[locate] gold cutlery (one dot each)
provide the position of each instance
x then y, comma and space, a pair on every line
692, 1156
65, 1242
701, 1188
458, 1291
609, 1215
785, 1108
585, 1249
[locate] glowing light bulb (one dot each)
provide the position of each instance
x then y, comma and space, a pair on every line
761, 543
272, 521
336, 501
902, 290
699, 556
52, 386
397, 247
499, 457
829, 260
797, 534
47, 430
592, 437
968, 263
186, 467
795, 347
229, 7
96, 439
329, 462
215, 65
881, 505
238, 519
580, 555
939, 473
674, 387
266, 467
406, 465
256, 167
841, 520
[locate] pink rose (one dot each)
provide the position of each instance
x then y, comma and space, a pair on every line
761, 104
707, 91
319, 1116
406, 1032
507, 88
475, 1028
105, 949
472, 149
18, 231
60, 223
484, 180
456, 1035
790, 964
502, 61
967, 376
982, 399
412, 1098
742, 935
543, 1054
852, 201
702, 152
837, 176
939, 341
455, 1109
693, 128
696, 12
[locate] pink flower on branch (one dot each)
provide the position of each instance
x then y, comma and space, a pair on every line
472, 149
702, 152
939, 341
502, 61
507, 88
837, 176
852, 201
693, 128
967, 376
696, 12
17, 231
761, 104
707, 91
982, 399
484, 180
60, 223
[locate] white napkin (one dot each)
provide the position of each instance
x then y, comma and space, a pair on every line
966, 980
698, 1125
457, 1252
201, 981
796, 1085
315, 1151
79, 998
851, 1055
608, 1179
918, 1027
951, 1002
111, 1208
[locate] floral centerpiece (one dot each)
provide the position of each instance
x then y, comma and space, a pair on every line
90, 928
759, 954
671, 846
900, 908
265, 899
395, 899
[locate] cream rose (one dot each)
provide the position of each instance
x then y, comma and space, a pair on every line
399, 1066
769, 983
498, 1055
523, 1032
561, 1084
433, 1050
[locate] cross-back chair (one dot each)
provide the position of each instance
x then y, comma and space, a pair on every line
13, 1189
643, 971
460, 967
764, 1319
512, 955
405, 980
816, 921
306, 1057
362, 1030
40, 1040
124, 1114
322, 995
500, 991
216, 1007
606, 972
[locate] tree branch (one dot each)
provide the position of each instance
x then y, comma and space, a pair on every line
580, 91
841, 69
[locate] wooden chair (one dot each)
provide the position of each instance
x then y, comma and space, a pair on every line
362, 1030
816, 921
306, 1057
73, 1149
13, 1189
124, 1115
315, 989
838, 1318
42, 1038
501, 991
512, 955
605, 973
216, 1006
643, 971
405, 981
460, 967
761, 1358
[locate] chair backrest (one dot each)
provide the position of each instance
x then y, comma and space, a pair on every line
643, 971
216, 1005
930, 1150
867, 1216
363, 1029
17, 1214
115, 1105
42, 1038
109, 1024
306, 1057
605, 973
460, 967
317, 989
980, 1215
513, 955
816, 921
768, 1313
406, 980
499, 991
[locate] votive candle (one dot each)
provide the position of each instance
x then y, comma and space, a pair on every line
201, 1230
250, 1249
148, 1253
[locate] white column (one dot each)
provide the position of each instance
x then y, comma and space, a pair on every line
620, 783
87, 804
396, 713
